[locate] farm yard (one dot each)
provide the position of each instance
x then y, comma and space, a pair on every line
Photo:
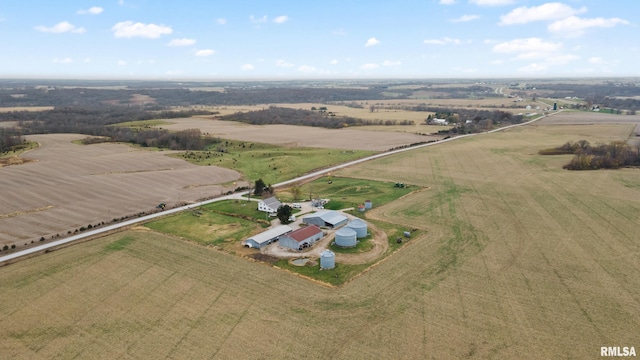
521, 260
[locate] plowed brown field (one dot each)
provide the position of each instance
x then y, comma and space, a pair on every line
67, 186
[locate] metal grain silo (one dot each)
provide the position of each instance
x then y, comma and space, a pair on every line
346, 237
327, 260
368, 204
359, 226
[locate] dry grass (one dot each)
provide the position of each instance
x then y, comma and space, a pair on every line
521, 260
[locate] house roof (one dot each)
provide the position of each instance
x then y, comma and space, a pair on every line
270, 234
272, 202
304, 233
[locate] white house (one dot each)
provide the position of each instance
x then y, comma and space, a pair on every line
440, 121
269, 205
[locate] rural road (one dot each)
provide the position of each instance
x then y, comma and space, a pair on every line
42, 248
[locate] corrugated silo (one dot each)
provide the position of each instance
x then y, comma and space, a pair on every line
327, 259
346, 237
360, 227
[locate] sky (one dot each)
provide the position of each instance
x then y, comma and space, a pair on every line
263, 39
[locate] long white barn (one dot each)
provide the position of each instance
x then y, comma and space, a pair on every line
267, 237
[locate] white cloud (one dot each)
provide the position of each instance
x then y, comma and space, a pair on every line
465, 18
281, 19
491, 2
93, 11
247, 67
62, 61
122, 63
534, 67
205, 52
370, 66
307, 69
574, 26
544, 12
253, 19
86, 60
221, 21
596, 60
181, 42
61, 27
530, 48
391, 63
443, 41
333, 62
372, 42
129, 29
283, 64
447, 2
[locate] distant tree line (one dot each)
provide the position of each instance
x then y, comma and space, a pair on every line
614, 155
9, 140
99, 121
288, 116
479, 120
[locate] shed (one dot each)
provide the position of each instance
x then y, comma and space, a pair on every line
327, 260
359, 226
346, 237
302, 237
267, 237
330, 218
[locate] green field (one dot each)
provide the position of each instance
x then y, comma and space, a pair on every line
270, 163
519, 259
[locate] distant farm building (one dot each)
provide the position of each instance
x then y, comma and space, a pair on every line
440, 121
269, 205
328, 218
346, 237
359, 226
267, 237
301, 238
327, 259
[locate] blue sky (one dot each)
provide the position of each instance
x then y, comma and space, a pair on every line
209, 40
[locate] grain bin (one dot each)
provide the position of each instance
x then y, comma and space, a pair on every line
346, 237
360, 227
327, 260
368, 204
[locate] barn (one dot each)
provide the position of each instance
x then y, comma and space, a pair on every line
269, 205
328, 218
304, 237
267, 237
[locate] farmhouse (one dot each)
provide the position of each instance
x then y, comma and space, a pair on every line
269, 205
328, 218
267, 237
301, 238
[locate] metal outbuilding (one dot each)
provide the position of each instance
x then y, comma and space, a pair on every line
329, 218
267, 237
359, 226
327, 260
301, 238
346, 237
368, 204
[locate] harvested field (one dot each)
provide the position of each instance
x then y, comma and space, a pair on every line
25, 108
589, 117
79, 185
291, 135
521, 259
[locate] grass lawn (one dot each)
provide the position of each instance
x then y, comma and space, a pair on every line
336, 276
345, 192
205, 227
270, 163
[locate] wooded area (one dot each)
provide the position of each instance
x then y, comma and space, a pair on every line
614, 155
